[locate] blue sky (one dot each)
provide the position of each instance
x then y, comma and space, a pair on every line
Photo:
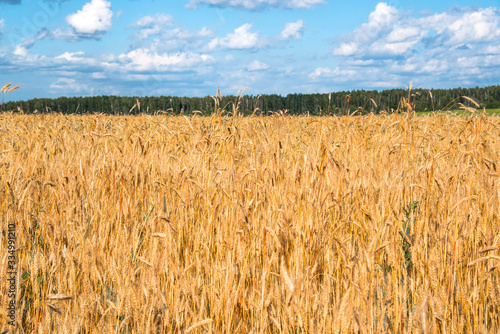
58, 48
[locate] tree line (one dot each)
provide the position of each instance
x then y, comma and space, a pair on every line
362, 101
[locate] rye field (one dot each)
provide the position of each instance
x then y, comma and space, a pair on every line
163, 224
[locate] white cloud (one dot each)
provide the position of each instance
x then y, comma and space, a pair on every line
433, 49
93, 19
492, 50
187, 34
157, 33
240, 39
152, 25
69, 84
382, 17
481, 25
387, 49
338, 74
380, 23
346, 49
147, 60
390, 33
79, 58
21, 51
63, 34
479, 62
257, 4
320, 72
343, 75
98, 75
159, 19
257, 66
181, 38
402, 33
71, 56
462, 26
293, 30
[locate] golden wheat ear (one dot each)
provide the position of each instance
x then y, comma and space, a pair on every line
472, 101
4, 88
12, 89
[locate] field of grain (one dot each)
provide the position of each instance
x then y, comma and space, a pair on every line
152, 224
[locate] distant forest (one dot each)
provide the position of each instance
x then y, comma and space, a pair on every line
295, 104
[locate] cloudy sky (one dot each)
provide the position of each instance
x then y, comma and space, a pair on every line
190, 47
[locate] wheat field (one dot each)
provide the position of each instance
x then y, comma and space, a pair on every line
162, 224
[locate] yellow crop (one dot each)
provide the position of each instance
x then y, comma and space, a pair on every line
139, 224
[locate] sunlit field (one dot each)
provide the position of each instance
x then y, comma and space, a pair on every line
153, 224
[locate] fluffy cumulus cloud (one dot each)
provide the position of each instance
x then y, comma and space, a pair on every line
477, 26
257, 4
240, 39
293, 30
431, 47
346, 49
380, 23
94, 19
20, 51
389, 32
